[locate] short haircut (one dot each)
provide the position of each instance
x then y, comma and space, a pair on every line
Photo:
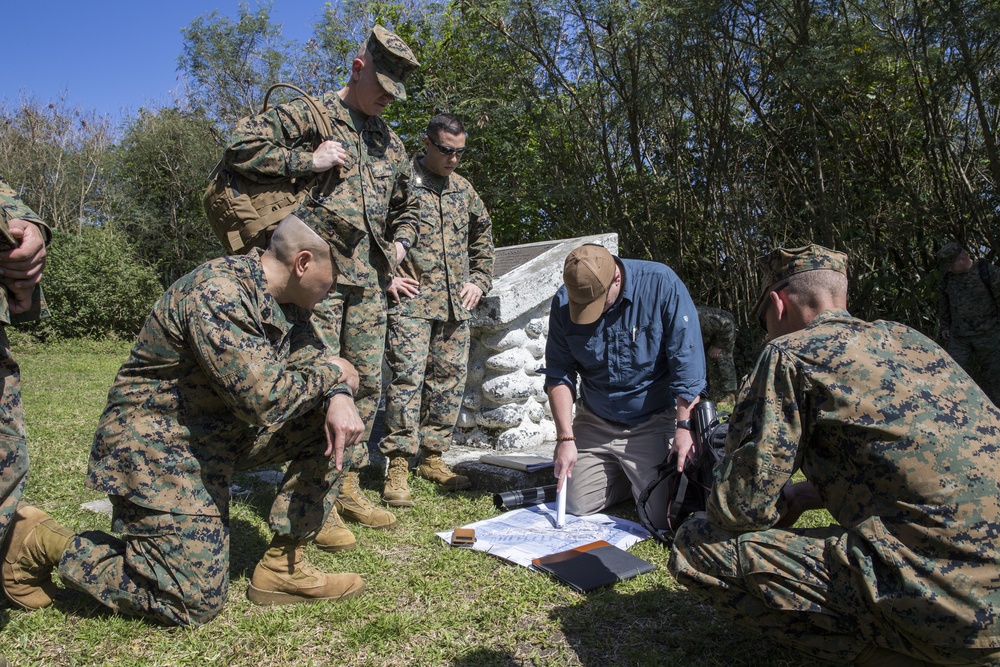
291, 237
444, 122
811, 288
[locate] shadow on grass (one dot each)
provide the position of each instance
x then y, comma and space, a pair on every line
662, 627
486, 657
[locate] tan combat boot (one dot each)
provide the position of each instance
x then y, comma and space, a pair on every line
284, 577
397, 490
353, 505
433, 467
35, 544
335, 536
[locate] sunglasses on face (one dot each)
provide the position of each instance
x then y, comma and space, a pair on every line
446, 150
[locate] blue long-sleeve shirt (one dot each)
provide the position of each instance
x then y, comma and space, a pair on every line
639, 356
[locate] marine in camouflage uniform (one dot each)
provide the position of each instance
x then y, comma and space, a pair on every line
967, 312
718, 335
13, 444
362, 195
900, 447
222, 377
449, 269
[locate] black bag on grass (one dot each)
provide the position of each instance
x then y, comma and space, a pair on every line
687, 492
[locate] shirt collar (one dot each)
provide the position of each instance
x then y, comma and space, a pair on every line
427, 179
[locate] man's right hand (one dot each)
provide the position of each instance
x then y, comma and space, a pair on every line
403, 286
329, 154
343, 427
565, 458
21, 267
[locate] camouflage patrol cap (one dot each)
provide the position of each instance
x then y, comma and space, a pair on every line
393, 60
781, 263
949, 253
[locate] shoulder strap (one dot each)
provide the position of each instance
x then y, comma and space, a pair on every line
319, 115
984, 275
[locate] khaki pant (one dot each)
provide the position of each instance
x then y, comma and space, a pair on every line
615, 462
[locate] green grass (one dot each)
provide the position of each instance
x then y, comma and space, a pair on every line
426, 603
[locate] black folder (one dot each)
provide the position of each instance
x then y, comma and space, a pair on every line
593, 565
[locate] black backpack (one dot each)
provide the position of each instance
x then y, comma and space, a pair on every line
687, 491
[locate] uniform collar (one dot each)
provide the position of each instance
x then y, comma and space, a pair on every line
428, 180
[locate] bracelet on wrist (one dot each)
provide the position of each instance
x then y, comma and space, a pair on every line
684, 423
566, 438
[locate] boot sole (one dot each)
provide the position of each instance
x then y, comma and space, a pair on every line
265, 598
399, 503
334, 548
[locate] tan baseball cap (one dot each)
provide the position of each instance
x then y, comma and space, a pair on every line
393, 60
588, 273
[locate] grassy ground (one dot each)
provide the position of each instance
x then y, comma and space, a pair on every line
426, 603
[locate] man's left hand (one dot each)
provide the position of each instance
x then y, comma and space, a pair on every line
684, 446
343, 427
470, 296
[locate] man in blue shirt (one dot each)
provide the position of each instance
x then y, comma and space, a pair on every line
629, 330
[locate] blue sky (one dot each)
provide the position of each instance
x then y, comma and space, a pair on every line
112, 56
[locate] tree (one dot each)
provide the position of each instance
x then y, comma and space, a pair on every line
230, 64
161, 168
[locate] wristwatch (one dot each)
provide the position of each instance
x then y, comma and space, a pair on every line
684, 423
405, 243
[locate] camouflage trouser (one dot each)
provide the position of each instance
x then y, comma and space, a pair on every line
351, 323
174, 568
797, 588
428, 359
721, 373
718, 330
13, 443
987, 351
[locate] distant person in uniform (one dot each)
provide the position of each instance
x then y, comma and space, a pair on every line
718, 335
431, 298
898, 445
227, 374
967, 312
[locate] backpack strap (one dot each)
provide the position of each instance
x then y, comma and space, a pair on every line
320, 118
663, 472
984, 275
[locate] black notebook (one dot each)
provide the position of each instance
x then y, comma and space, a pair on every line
525, 462
593, 565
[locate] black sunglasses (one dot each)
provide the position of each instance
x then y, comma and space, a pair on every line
763, 310
445, 150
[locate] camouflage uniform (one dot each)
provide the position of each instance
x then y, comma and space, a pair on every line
14, 448
901, 448
350, 210
718, 329
221, 378
968, 311
428, 340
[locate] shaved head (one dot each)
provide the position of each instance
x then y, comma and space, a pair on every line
812, 289
291, 237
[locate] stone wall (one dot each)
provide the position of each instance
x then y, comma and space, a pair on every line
505, 405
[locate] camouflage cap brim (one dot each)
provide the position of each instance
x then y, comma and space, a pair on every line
392, 86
